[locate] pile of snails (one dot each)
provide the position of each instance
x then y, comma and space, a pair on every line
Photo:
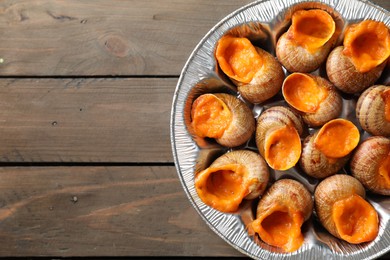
281, 133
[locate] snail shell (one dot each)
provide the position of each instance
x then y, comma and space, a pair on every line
295, 49
367, 44
282, 210
234, 176
373, 110
241, 126
298, 59
314, 97
314, 163
342, 73
341, 208
319, 158
279, 121
258, 76
370, 164
267, 81
357, 64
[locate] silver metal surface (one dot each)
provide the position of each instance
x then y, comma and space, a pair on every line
263, 22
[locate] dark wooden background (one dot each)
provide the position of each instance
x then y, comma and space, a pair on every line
86, 167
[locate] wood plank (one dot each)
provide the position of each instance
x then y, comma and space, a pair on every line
85, 120
101, 211
97, 37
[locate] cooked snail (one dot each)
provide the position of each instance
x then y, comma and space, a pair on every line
360, 62
308, 41
256, 73
223, 117
342, 209
314, 97
278, 137
370, 164
281, 212
373, 110
327, 151
237, 175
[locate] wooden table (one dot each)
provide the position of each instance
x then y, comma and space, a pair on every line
85, 98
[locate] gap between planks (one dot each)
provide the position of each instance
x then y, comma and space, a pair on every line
85, 164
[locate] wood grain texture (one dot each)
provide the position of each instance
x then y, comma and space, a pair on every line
97, 211
85, 120
101, 211
98, 37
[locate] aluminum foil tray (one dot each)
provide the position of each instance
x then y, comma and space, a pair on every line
263, 22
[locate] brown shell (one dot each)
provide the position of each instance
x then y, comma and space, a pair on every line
329, 191
314, 163
365, 163
370, 111
343, 74
243, 123
298, 59
329, 109
266, 83
258, 174
290, 193
273, 118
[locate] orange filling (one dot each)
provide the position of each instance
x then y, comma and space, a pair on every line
282, 148
337, 138
367, 44
384, 172
303, 93
210, 116
222, 188
355, 219
311, 29
280, 227
386, 99
238, 58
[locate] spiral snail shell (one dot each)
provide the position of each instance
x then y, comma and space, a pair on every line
278, 137
256, 73
314, 97
308, 41
370, 164
326, 151
282, 210
223, 117
234, 176
373, 110
342, 209
359, 63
